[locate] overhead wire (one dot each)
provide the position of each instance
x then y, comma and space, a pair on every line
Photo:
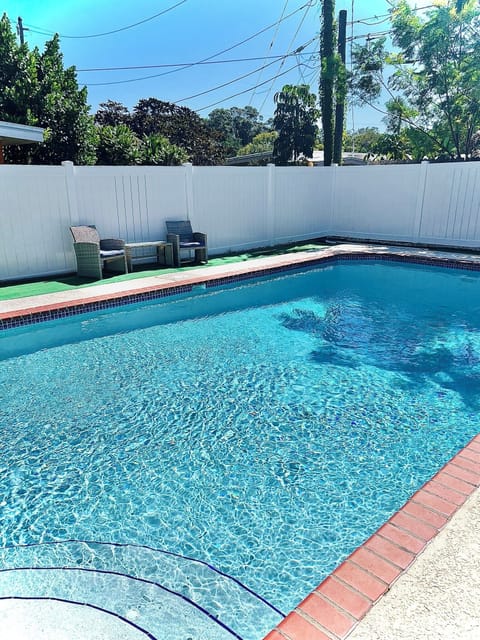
185, 64
272, 42
225, 84
308, 7
193, 64
39, 30
246, 90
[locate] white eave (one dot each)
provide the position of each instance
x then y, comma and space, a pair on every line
12, 133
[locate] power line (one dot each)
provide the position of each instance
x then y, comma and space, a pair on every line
246, 90
215, 55
283, 61
225, 84
189, 64
270, 46
44, 32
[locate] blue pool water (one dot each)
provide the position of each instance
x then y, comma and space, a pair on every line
266, 428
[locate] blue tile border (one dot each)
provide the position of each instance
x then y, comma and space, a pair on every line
88, 307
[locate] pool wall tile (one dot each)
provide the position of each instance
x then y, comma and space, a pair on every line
368, 573
65, 308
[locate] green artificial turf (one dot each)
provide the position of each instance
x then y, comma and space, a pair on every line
65, 283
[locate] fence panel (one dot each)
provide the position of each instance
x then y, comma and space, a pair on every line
302, 203
377, 202
451, 205
230, 205
130, 202
34, 222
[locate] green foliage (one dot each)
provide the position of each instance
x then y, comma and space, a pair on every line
435, 85
117, 145
329, 64
112, 113
368, 60
364, 140
37, 90
157, 150
236, 126
181, 126
295, 120
260, 143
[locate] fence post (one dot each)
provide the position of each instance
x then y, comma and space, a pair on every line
270, 204
333, 169
71, 190
422, 183
189, 201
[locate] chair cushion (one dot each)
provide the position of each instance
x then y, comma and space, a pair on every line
191, 244
112, 253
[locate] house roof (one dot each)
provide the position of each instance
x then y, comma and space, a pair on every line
12, 133
349, 158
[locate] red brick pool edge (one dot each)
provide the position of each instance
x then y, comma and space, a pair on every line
335, 607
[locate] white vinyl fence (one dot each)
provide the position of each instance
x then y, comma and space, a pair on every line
238, 207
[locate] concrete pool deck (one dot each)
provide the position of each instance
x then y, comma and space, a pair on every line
419, 575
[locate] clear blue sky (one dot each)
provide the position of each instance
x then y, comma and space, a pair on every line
190, 32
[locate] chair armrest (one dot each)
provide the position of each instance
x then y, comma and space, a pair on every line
109, 244
87, 248
200, 237
173, 237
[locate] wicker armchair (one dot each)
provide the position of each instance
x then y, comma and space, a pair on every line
94, 254
180, 234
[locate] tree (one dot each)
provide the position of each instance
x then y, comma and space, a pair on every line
157, 150
362, 141
295, 120
261, 142
38, 91
112, 113
435, 86
117, 145
181, 126
327, 79
237, 126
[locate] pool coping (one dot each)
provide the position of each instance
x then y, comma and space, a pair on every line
334, 609
49, 306
337, 605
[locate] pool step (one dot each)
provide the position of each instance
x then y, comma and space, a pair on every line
156, 592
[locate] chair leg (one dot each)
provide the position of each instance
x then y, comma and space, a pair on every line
201, 255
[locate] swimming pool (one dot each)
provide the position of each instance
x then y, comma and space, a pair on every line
266, 428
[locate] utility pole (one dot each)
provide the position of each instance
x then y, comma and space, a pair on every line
341, 89
21, 29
